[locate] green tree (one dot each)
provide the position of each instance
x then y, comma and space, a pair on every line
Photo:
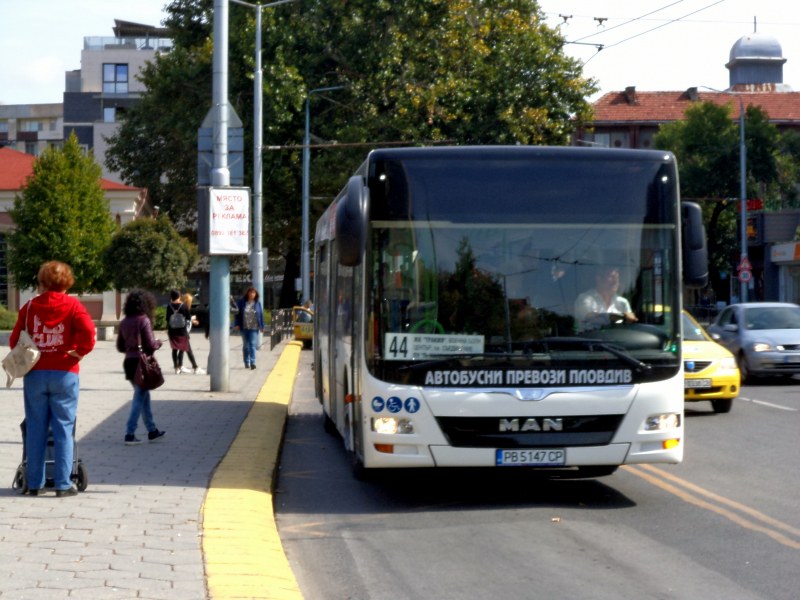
443, 71
62, 214
707, 146
157, 255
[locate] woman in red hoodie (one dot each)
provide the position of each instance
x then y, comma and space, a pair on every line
64, 333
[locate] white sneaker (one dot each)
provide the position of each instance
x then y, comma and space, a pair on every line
185, 370
199, 371
177, 371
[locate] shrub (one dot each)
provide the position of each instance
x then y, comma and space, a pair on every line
7, 318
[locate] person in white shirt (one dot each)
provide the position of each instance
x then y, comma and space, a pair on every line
603, 305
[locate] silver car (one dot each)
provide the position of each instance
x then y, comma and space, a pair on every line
763, 336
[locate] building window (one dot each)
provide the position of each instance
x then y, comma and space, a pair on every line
3, 126
115, 79
32, 148
109, 114
602, 139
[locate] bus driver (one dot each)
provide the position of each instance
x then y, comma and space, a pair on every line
603, 305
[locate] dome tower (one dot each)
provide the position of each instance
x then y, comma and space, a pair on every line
756, 64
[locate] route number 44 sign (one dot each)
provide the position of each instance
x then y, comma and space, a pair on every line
223, 215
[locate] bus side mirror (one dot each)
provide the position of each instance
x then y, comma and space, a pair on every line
693, 242
351, 223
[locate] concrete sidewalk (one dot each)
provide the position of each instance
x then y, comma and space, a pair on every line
138, 530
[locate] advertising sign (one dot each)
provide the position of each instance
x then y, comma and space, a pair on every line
224, 220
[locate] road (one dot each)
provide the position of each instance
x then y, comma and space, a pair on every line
724, 524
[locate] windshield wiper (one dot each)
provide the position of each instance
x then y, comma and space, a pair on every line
591, 344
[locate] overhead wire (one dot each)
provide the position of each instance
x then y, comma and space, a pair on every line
629, 21
606, 30
670, 22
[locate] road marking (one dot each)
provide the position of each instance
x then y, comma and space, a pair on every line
758, 521
770, 404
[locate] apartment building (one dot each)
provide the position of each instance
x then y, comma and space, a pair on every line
94, 96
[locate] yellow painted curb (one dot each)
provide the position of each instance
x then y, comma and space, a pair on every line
242, 551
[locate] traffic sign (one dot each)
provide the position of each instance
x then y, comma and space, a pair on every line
744, 265
745, 276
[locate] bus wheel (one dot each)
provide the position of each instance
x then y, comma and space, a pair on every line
327, 424
359, 472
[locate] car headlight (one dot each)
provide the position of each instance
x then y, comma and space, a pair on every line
663, 422
762, 347
392, 425
728, 364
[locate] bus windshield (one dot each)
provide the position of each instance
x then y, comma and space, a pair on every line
490, 259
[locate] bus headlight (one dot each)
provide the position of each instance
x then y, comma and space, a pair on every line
392, 425
663, 422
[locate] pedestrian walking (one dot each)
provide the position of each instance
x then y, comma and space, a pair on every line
136, 336
187, 300
178, 319
64, 333
249, 321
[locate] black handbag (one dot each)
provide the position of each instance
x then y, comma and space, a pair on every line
148, 372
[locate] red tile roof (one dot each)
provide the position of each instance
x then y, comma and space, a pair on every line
658, 107
16, 167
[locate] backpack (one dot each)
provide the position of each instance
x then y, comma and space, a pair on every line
176, 319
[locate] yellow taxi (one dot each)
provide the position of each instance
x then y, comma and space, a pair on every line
710, 371
303, 324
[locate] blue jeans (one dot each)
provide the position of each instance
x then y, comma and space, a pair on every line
51, 403
140, 406
249, 346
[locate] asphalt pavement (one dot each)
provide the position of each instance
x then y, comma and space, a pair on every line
186, 517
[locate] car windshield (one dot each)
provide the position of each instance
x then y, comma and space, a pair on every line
692, 332
772, 317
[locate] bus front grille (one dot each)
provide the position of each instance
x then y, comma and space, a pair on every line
529, 432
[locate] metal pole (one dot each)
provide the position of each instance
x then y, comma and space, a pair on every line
305, 261
305, 253
742, 186
219, 316
743, 195
256, 251
257, 256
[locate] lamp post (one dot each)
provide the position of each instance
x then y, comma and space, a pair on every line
742, 190
305, 260
256, 252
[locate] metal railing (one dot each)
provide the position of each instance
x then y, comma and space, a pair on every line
280, 326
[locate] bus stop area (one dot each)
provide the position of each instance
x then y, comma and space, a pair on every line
187, 517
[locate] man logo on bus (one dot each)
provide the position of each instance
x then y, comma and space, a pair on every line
531, 424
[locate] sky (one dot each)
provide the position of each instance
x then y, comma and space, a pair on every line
667, 44
650, 44
42, 39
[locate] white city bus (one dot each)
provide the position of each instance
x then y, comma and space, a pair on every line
445, 282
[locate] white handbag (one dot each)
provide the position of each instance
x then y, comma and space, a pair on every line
22, 357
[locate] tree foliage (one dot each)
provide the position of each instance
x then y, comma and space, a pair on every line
155, 256
62, 214
440, 71
707, 145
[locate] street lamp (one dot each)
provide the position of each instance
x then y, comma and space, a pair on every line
256, 253
305, 260
742, 190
